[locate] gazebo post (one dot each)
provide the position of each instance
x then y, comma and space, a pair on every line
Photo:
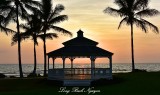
110, 64
92, 66
71, 58
48, 62
63, 58
53, 59
72, 62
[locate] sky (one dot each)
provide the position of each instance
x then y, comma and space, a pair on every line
88, 16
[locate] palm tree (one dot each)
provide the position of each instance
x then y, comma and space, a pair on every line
50, 17
14, 9
132, 12
32, 29
49, 36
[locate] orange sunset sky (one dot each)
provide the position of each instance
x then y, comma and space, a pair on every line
88, 16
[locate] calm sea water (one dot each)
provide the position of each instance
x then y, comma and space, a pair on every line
12, 69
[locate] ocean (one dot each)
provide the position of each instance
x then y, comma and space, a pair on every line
13, 70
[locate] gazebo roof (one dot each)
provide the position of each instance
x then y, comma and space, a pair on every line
80, 51
80, 46
80, 40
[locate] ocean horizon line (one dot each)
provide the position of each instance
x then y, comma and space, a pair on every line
77, 63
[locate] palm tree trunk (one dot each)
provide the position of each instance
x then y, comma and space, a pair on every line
132, 47
44, 47
35, 59
19, 45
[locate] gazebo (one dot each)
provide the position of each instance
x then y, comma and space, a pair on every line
79, 47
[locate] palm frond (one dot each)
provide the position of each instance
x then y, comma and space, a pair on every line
3, 27
61, 30
24, 13
120, 3
6, 30
34, 10
124, 20
140, 4
30, 31
59, 8
141, 24
2, 19
152, 26
34, 3
51, 36
41, 36
24, 26
112, 11
58, 19
47, 36
147, 13
5, 4
22, 36
10, 16
5, 9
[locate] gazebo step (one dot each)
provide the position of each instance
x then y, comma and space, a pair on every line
76, 82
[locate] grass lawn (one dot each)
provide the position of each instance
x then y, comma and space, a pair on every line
139, 83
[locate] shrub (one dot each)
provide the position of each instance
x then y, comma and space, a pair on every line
139, 70
34, 75
12, 77
2, 75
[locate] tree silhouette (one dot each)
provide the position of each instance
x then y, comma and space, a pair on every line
132, 12
13, 10
50, 17
32, 29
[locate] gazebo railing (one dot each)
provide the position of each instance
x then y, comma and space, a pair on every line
86, 71
97, 72
77, 71
55, 74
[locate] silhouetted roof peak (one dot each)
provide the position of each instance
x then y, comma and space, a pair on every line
80, 40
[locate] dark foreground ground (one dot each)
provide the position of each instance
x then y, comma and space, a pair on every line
139, 83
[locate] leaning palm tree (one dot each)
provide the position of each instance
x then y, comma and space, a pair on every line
50, 17
13, 10
132, 12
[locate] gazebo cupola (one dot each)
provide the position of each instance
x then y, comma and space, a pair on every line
80, 33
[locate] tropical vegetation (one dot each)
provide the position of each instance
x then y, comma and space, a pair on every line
40, 17
12, 10
49, 18
133, 12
